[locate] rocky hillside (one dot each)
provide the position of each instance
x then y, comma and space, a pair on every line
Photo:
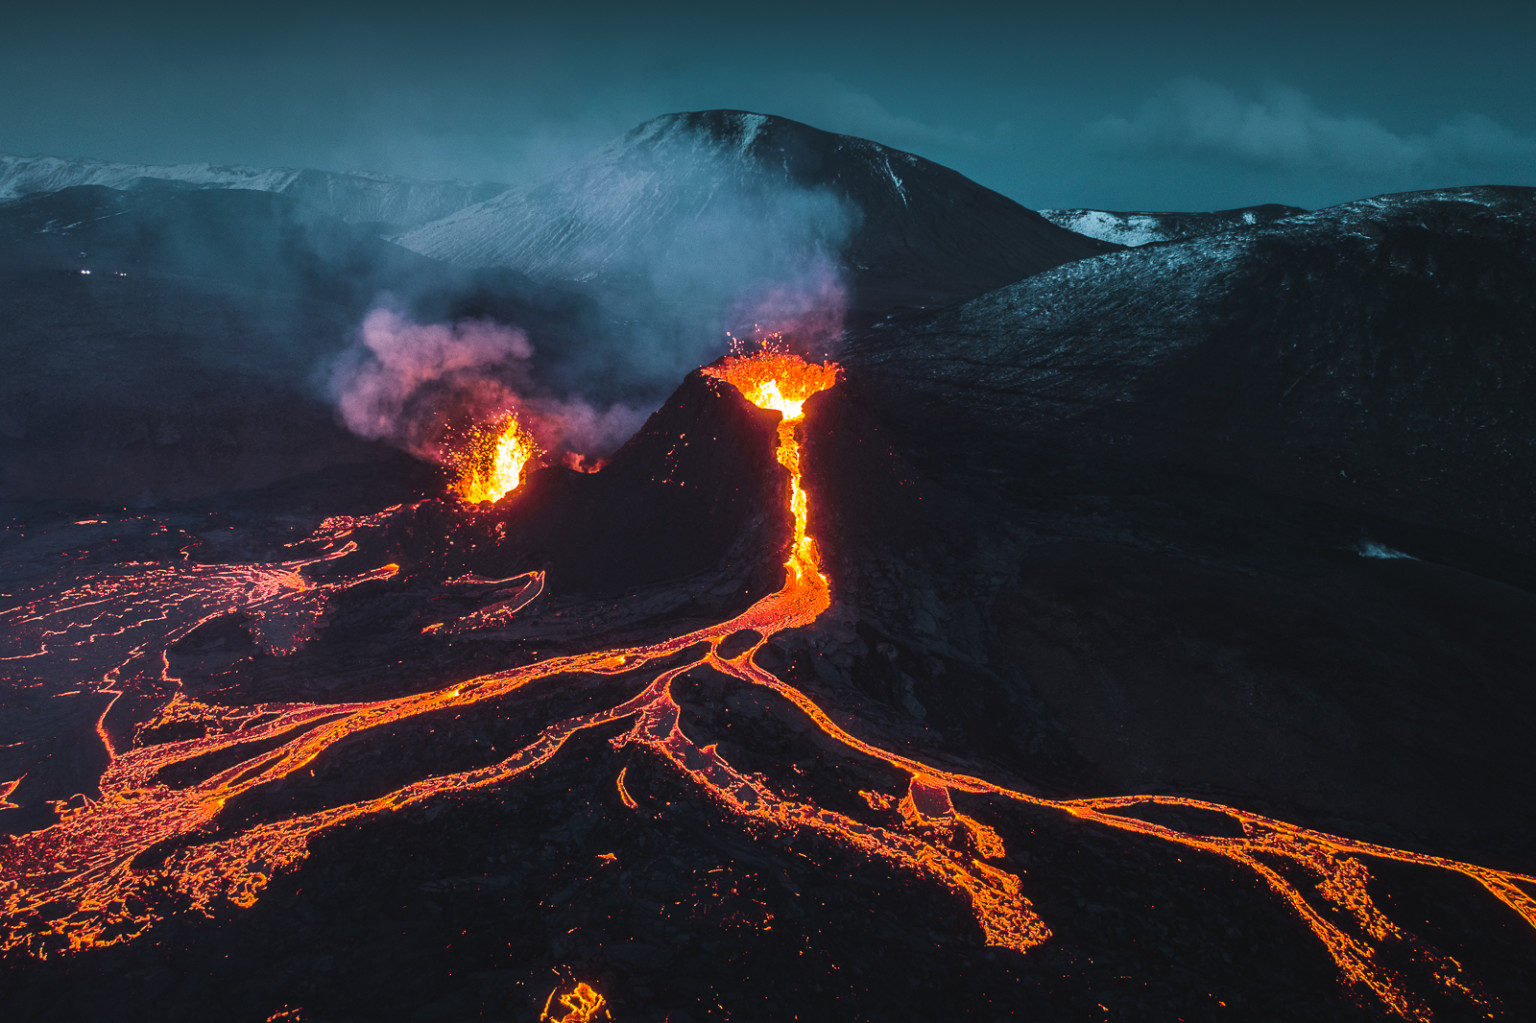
1374, 355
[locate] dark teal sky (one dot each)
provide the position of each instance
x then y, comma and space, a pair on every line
1113, 105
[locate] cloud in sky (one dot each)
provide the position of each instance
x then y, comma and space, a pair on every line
1282, 129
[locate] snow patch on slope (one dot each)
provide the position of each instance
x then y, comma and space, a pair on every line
751, 125
1147, 228
901, 189
1130, 229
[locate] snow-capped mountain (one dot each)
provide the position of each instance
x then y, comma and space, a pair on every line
905, 230
396, 203
1375, 355
1142, 228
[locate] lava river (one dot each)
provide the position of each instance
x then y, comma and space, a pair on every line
83, 881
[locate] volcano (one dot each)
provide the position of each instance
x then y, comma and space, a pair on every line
1027, 658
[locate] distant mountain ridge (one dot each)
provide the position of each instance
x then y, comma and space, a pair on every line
923, 235
1145, 228
359, 198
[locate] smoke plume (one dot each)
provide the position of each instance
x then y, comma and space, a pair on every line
636, 266
806, 308
688, 227
413, 385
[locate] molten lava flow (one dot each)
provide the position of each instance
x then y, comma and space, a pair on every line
8, 789
492, 463
624, 796
781, 382
582, 1004
89, 879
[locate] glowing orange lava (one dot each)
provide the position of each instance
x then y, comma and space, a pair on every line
82, 882
7, 789
492, 463
582, 1004
781, 382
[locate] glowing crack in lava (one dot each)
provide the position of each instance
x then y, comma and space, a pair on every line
492, 463
89, 879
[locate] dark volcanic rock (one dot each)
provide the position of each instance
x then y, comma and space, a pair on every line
1137, 524
696, 490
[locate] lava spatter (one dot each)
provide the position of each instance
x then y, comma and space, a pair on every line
78, 883
492, 462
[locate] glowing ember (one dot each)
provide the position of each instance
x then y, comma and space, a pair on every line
492, 464
82, 882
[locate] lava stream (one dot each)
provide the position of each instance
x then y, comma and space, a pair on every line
75, 884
